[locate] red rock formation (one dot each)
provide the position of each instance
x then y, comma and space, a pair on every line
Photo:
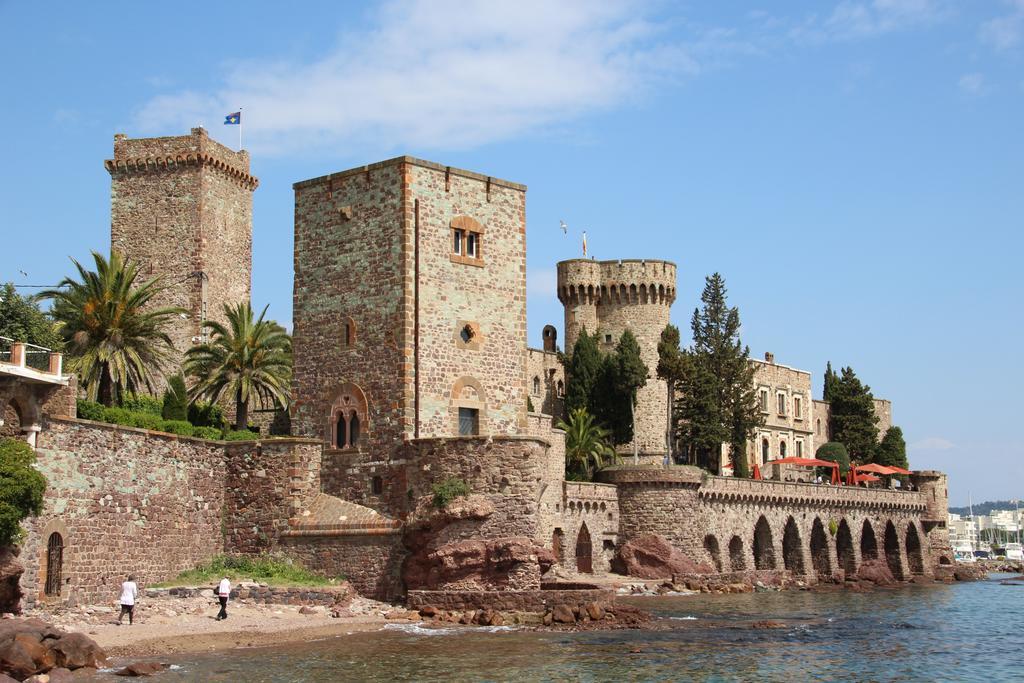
31, 646
652, 557
876, 572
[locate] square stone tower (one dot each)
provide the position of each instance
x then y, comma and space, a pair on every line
181, 207
409, 306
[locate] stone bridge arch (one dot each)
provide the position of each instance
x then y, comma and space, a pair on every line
845, 552
868, 542
915, 553
820, 555
737, 561
792, 548
763, 545
714, 552
893, 552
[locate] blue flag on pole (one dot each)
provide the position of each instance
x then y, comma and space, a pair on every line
233, 119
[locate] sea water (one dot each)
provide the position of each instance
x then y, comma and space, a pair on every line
959, 632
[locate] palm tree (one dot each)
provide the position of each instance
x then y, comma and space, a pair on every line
247, 358
115, 342
586, 445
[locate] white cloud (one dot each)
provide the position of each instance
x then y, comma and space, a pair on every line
439, 74
972, 84
1005, 32
932, 443
854, 20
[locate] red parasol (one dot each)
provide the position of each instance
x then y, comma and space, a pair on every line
835, 476
757, 472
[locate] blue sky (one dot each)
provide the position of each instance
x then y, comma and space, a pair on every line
853, 169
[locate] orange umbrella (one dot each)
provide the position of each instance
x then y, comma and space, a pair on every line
835, 476
757, 471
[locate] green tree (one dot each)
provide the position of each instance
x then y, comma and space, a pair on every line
175, 405
582, 371
833, 451
670, 359
853, 420
893, 449
586, 446
718, 401
115, 340
829, 385
21, 320
249, 358
21, 488
630, 375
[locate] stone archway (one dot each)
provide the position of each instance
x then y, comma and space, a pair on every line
558, 545
711, 546
584, 551
736, 560
844, 549
892, 551
792, 551
819, 550
868, 543
764, 548
915, 558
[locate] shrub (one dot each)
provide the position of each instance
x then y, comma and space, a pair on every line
179, 427
207, 433
144, 421
833, 451
175, 405
143, 404
269, 569
90, 410
240, 435
203, 414
116, 416
448, 490
21, 488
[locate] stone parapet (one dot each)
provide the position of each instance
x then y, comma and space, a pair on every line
678, 475
825, 497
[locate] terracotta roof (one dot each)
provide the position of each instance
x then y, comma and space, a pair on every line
327, 514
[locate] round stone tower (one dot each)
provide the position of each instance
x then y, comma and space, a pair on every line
610, 297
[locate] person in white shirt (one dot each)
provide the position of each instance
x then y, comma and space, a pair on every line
129, 592
223, 591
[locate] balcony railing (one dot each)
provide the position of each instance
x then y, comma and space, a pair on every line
30, 356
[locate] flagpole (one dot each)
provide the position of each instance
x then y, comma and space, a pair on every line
239, 129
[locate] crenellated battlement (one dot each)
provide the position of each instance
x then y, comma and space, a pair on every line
629, 281
151, 155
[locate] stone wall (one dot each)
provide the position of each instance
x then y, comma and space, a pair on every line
588, 526
512, 601
609, 297
123, 501
545, 382
822, 417
815, 531
371, 562
181, 207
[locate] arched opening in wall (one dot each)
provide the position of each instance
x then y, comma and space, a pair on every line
844, 549
945, 560
560, 388
584, 551
12, 420
765, 451
782, 449
377, 486
558, 545
819, 550
914, 556
348, 417
536, 385
54, 564
792, 553
736, 560
892, 551
868, 543
764, 550
711, 546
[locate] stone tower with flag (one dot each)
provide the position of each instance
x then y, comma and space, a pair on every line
181, 207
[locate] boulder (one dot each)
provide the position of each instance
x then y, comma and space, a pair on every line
29, 647
594, 610
11, 570
562, 614
141, 669
876, 572
652, 557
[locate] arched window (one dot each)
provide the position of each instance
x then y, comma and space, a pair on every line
54, 563
782, 449
348, 332
764, 451
348, 417
536, 386
561, 388
817, 427
377, 485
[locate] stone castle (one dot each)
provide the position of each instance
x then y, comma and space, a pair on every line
412, 369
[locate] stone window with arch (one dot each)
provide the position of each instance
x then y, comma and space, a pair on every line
765, 450
782, 449
536, 385
348, 418
468, 407
348, 332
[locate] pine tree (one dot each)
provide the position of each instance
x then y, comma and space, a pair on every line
670, 360
630, 374
893, 449
175, 399
853, 420
718, 401
582, 369
829, 385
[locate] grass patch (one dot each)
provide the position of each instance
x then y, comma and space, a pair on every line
268, 569
448, 490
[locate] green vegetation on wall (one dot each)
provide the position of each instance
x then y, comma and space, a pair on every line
21, 488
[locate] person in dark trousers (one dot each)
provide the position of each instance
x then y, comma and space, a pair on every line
129, 593
223, 591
